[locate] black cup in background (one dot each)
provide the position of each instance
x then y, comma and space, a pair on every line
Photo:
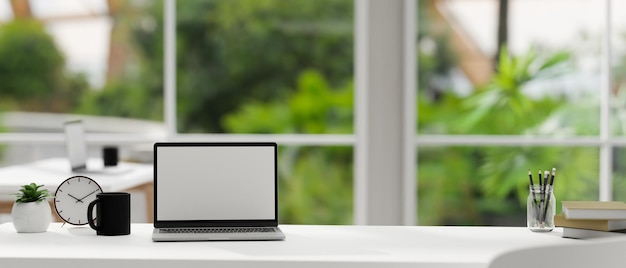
112, 213
110, 156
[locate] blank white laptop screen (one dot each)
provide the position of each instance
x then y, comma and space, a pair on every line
215, 183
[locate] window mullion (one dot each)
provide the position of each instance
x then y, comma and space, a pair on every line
169, 67
606, 148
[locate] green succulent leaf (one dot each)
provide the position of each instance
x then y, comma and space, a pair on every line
32, 193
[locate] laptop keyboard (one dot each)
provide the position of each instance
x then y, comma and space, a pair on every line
219, 230
217, 233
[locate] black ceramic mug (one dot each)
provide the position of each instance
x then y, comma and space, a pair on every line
110, 155
112, 213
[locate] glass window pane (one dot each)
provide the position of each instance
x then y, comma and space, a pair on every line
537, 76
81, 57
270, 66
489, 185
619, 174
618, 64
315, 185
90, 63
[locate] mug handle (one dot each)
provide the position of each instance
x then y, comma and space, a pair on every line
90, 214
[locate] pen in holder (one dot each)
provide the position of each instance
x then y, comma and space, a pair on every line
541, 204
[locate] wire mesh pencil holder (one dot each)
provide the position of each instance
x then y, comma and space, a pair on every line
540, 209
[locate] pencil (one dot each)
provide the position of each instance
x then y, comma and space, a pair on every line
546, 178
545, 209
530, 177
540, 197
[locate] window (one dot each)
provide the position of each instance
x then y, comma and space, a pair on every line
264, 67
387, 112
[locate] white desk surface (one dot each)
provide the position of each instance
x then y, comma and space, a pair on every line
51, 172
305, 246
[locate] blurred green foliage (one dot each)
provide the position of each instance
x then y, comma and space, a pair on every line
489, 185
130, 99
233, 52
32, 70
502, 107
314, 107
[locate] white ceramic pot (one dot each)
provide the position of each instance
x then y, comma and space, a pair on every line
31, 217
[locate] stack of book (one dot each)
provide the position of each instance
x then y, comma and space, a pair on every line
592, 219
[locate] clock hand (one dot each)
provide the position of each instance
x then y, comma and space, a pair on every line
81, 200
77, 200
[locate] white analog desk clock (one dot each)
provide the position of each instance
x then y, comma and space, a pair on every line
72, 198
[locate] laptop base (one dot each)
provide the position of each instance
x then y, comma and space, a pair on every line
217, 234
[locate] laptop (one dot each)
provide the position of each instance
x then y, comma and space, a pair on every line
76, 147
215, 191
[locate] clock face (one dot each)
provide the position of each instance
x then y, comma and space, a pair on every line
72, 198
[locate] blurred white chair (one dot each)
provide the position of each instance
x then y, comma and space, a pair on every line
599, 252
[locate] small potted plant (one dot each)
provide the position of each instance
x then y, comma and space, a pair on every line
31, 211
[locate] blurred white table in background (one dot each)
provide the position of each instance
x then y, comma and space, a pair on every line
127, 177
